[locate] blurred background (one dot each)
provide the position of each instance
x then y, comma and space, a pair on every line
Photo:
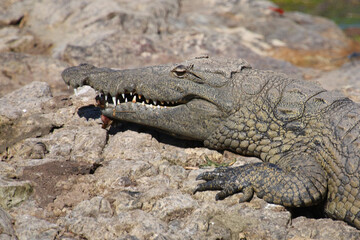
346, 13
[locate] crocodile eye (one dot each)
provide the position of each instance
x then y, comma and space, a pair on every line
179, 71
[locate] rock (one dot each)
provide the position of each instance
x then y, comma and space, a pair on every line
303, 228
92, 219
345, 79
30, 148
73, 23
12, 39
125, 201
26, 99
19, 69
20, 114
12, 132
95, 207
174, 207
120, 145
139, 224
88, 144
28, 227
6, 228
13, 192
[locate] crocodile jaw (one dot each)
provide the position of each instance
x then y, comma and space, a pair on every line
189, 120
152, 97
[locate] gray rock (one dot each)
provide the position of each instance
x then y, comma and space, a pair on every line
13, 192
20, 116
174, 207
303, 228
28, 227
125, 201
30, 148
92, 219
121, 145
6, 228
95, 207
27, 99
19, 69
345, 78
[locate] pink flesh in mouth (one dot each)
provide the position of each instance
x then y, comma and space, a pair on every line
106, 121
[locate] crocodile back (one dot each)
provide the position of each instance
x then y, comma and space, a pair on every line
343, 147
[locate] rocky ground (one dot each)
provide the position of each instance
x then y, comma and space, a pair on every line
64, 177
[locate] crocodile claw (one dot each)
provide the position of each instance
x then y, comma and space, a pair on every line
207, 176
226, 179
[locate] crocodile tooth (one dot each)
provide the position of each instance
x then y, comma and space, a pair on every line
114, 100
158, 106
75, 91
106, 97
164, 106
143, 103
68, 86
123, 95
147, 100
172, 102
126, 100
167, 102
154, 102
162, 102
118, 101
140, 96
106, 104
131, 93
134, 99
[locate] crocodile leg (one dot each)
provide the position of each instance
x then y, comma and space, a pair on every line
303, 184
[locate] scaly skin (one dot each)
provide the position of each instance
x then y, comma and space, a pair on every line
307, 138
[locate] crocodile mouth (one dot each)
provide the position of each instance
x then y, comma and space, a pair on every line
107, 101
131, 102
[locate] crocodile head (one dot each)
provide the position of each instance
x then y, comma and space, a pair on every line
188, 99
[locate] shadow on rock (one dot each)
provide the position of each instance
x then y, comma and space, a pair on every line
315, 212
157, 134
93, 112
89, 112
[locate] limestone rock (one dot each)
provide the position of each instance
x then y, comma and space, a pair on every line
13, 192
174, 207
28, 227
345, 79
6, 228
19, 114
303, 228
19, 69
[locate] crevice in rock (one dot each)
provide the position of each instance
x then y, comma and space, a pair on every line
54, 127
94, 167
16, 22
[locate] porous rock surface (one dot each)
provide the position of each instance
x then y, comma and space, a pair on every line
64, 177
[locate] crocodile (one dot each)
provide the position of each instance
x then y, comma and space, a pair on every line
307, 137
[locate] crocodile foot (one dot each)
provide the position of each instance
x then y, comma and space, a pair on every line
228, 180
